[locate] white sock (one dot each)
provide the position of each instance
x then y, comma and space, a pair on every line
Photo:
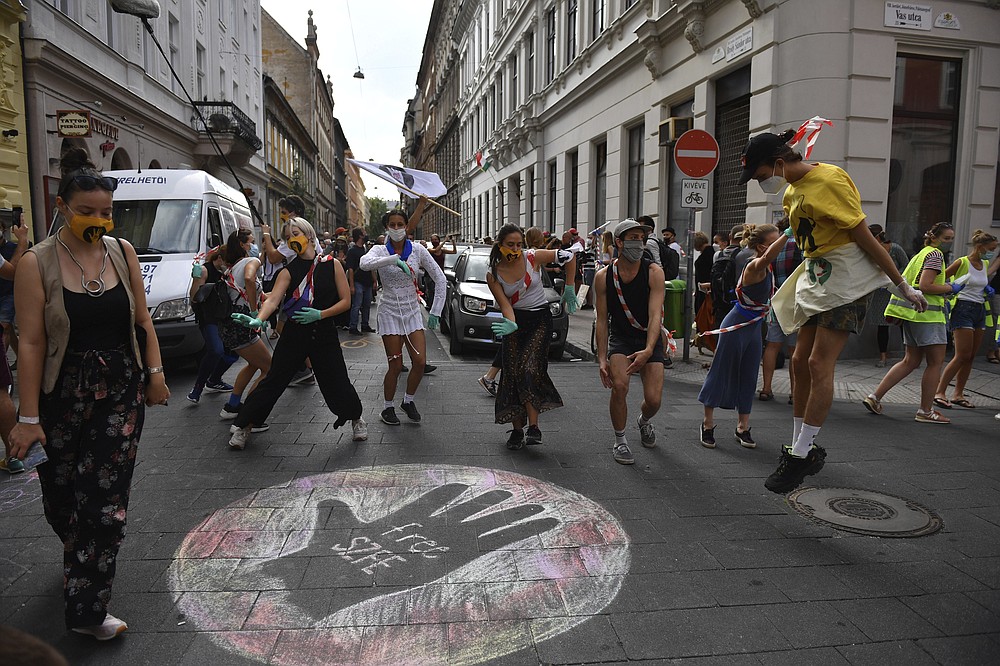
805, 441
407, 398
620, 437
796, 429
643, 420
388, 404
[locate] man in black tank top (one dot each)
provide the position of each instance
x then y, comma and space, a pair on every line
629, 300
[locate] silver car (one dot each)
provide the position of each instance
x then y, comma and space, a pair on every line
466, 315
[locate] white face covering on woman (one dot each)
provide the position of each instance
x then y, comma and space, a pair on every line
775, 183
396, 235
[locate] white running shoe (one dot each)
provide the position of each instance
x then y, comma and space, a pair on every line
109, 629
239, 439
360, 430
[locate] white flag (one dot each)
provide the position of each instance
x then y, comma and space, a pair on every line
426, 183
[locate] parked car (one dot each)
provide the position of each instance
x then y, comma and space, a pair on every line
470, 302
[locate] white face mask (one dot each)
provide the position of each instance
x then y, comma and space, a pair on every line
632, 250
774, 184
396, 234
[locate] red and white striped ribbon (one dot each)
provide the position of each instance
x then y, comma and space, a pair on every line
668, 340
810, 130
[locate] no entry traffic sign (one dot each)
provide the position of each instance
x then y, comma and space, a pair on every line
696, 153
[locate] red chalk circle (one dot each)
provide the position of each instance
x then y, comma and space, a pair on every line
493, 603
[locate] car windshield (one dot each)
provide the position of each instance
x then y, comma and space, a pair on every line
159, 227
477, 265
451, 259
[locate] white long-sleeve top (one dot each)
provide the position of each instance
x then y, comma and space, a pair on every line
398, 306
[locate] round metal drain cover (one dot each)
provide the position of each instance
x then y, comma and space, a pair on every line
865, 512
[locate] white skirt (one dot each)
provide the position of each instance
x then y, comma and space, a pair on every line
399, 318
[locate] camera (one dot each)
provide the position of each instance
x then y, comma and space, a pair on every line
10, 217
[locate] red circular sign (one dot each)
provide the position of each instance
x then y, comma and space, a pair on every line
696, 153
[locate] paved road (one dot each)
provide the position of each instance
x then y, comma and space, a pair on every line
309, 548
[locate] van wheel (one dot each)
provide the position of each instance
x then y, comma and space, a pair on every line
455, 346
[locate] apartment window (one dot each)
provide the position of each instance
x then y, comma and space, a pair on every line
550, 45
493, 107
600, 182
573, 173
501, 109
675, 211
199, 58
63, 6
173, 36
222, 82
486, 24
530, 196
552, 196
572, 9
529, 70
597, 26
514, 93
628, 3
635, 163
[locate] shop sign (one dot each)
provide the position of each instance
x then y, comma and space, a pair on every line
104, 129
907, 15
739, 43
106, 148
73, 123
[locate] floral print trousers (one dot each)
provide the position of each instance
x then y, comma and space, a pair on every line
92, 423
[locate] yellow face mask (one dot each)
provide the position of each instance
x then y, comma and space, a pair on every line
284, 216
298, 242
509, 254
87, 228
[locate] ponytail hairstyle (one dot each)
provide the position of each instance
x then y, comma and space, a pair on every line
534, 238
936, 232
495, 255
754, 235
784, 152
233, 250
981, 239
80, 173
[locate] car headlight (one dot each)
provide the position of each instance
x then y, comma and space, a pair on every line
555, 309
472, 304
175, 309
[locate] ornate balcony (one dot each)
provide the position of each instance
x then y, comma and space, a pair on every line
234, 131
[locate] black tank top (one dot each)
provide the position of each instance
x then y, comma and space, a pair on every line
97, 323
636, 295
324, 281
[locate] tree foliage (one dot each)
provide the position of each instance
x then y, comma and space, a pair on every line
377, 207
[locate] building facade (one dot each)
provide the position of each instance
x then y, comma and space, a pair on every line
290, 154
139, 117
296, 71
357, 203
573, 102
14, 185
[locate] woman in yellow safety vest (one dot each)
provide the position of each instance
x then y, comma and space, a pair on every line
968, 315
925, 334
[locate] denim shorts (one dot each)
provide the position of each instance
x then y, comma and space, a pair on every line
924, 333
967, 314
775, 334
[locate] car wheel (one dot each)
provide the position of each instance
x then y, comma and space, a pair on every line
445, 325
455, 346
556, 353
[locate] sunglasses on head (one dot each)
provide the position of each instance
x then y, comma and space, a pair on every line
87, 183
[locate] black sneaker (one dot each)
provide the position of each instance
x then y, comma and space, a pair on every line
389, 416
229, 413
367, 329
707, 436
428, 368
792, 470
354, 331
516, 439
218, 387
744, 439
623, 454
534, 436
410, 408
405, 369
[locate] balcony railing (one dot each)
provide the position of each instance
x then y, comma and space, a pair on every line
226, 118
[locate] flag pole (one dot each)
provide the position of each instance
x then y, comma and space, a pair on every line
429, 200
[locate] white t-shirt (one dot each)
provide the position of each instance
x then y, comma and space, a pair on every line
973, 291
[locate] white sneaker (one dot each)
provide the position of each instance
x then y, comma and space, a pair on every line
360, 430
110, 628
239, 439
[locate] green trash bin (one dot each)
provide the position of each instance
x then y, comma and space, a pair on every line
673, 307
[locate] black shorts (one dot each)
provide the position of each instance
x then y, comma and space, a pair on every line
629, 345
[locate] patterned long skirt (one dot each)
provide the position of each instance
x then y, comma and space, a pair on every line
524, 378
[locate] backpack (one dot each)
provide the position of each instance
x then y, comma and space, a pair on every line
670, 261
212, 304
723, 279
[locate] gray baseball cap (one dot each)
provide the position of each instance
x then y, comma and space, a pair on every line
628, 224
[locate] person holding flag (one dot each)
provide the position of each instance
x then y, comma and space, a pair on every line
311, 291
400, 320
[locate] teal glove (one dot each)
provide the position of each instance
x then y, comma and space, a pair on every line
403, 266
197, 270
433, 321
248, 321
789, 232
307, 316
569, 298
504, 327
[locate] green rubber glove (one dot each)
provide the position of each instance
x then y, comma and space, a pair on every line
433, 321
307, 316
503, 327
403, 266
247, 320
569, 298
789, 232
197, 270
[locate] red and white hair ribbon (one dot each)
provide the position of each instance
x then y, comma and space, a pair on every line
810, 130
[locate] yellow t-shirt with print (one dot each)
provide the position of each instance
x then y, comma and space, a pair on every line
822, 208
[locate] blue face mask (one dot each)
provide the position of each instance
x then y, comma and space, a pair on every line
989, 256
254, 250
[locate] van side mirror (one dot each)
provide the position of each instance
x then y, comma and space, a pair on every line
559, 284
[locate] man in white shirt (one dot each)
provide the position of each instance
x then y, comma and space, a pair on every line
670, 238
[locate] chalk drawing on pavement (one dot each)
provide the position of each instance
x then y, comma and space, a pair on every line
19, 490
399, 564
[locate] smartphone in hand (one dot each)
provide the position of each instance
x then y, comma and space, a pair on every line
36, 456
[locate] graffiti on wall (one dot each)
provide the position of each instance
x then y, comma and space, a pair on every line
399, 564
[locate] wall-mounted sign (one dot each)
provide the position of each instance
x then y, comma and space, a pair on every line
103, 128
718, 54
73, 123
947, 20
106, 148
907, 15
739, 43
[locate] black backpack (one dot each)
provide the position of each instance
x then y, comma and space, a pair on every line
670, 261
724, 279
212, 304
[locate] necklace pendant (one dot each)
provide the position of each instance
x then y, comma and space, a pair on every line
91, 289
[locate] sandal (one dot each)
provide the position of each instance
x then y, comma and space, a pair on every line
764, 396
943, 403
962, 402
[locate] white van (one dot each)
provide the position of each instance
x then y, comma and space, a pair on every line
170, 216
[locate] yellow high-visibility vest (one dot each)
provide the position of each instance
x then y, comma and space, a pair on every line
903, 309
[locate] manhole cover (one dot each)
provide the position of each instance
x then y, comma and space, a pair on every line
865, 512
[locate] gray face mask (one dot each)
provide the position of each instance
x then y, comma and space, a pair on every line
632, 250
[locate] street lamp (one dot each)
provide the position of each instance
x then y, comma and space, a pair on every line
359, 74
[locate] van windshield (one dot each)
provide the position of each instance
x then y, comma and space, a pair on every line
159, 227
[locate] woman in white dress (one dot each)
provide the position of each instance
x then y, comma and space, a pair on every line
400, 320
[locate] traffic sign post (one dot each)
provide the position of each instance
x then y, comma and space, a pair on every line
696, 155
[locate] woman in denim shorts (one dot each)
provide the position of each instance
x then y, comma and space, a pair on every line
968, 316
